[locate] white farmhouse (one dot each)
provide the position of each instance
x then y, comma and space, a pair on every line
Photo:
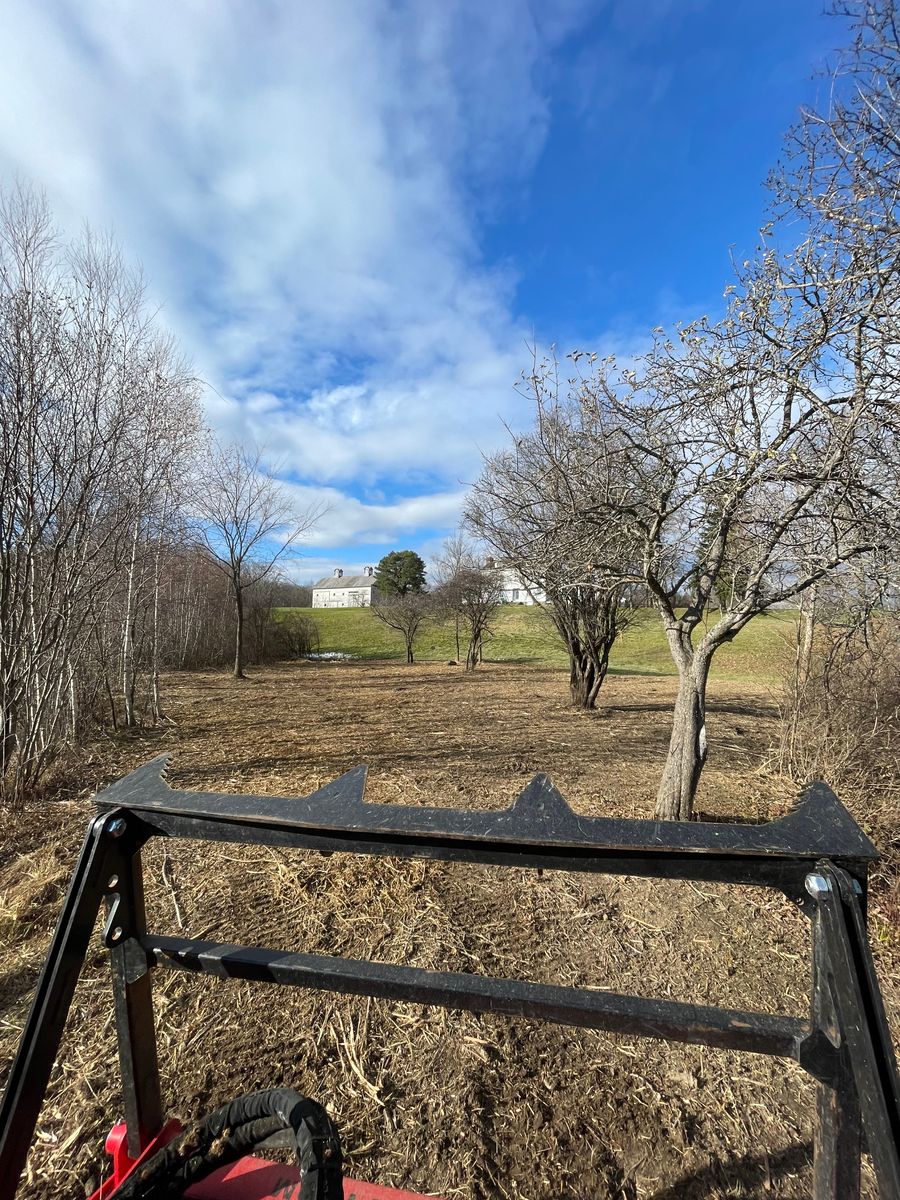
514, 589
344, 591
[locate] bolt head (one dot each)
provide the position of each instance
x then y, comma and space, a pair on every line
817, 885
116, 828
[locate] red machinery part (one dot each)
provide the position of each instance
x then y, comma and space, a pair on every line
249, 1178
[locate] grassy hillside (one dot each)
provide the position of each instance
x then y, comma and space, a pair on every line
526, 635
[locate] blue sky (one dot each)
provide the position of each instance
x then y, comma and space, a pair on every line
356, 215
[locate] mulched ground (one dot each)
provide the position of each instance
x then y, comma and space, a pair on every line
457, 1104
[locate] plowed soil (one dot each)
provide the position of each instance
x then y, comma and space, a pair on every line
438, 1101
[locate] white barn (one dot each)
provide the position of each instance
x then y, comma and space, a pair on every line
344, 591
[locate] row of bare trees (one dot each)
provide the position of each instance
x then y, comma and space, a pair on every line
740, 461
99, 416
127, 542
466, 592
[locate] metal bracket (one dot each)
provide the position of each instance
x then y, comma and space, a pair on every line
538, 830
859, 1011
105, 853
816, 855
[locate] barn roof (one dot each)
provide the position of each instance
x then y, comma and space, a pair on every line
345, 581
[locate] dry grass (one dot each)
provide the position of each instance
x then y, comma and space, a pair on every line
460, 1104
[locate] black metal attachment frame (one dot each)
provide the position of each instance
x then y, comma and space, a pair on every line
817, 856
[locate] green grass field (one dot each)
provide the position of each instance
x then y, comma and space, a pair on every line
526, 635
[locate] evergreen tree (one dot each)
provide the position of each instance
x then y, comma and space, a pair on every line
400, 573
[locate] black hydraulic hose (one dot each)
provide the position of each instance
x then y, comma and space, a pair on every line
233, 1131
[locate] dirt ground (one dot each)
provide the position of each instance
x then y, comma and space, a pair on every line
444, 1102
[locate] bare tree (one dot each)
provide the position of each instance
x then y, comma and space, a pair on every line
405, 615
476, 594
520, 507
839, 174
457, 554
246, 516
754, 457
162, 441
738, 449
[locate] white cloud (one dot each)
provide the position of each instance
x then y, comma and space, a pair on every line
304, 184
346, 520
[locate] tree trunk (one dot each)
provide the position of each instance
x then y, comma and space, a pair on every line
8, 738
73, 702
806, 624
472, 654
409, 650
154, 647
585, 678
239, 634
806, 635
687, 746
128, 671
112, 702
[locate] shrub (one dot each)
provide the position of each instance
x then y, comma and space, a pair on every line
295, 636
841, 723
841, 713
